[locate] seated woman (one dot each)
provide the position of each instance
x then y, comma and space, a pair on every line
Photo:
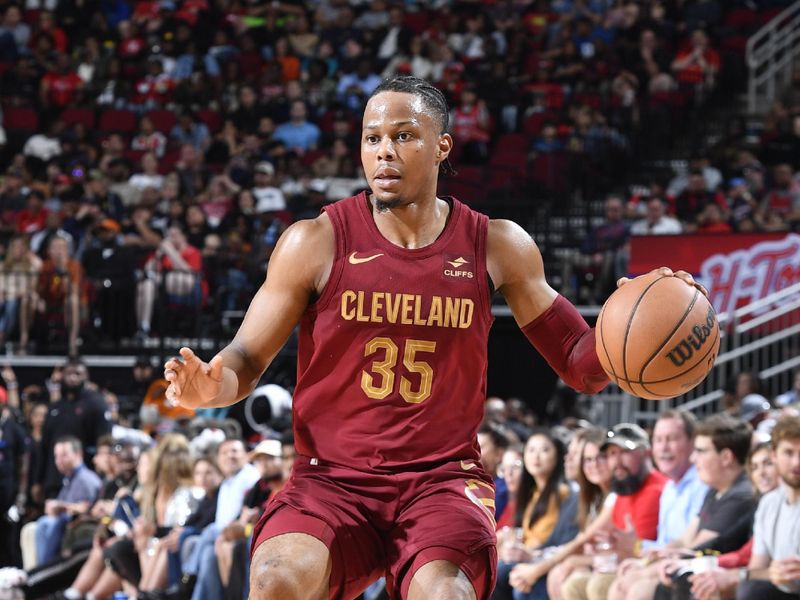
593, 514
545, 513
511, 471
167, 501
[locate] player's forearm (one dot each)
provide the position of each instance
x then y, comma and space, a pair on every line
240, 375
566, 341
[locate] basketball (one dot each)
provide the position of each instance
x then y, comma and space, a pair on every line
657, 337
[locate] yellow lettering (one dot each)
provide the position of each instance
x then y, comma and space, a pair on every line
405, 317
348, 296
392, 307
465, 315
451, 310
435, 316
360, 315
418, 307
377, 305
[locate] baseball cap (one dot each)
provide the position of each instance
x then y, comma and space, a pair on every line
318, 185
752, 406
265, 167
267, 448
109, 224
628, 436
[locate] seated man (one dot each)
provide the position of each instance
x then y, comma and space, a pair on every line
638, 487
79, 491
720, 452
774, 569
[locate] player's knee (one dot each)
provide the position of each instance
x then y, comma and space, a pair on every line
452, 589
285, 568
268, 582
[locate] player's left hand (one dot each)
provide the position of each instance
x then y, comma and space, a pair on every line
667, 272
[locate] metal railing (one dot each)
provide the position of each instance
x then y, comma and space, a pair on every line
770, 55
762, 337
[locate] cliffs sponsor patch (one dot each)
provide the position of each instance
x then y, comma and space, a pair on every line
458, 266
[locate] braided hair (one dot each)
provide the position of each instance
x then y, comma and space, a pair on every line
432, 98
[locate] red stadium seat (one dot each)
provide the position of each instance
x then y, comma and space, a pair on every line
84, 116
512, 142
211, 118
118, 121
163, 120
534, 123
417, 22
134, 157
18, 118
590, 99
167, 163
741, 18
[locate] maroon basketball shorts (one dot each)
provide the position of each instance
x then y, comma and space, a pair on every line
389, 524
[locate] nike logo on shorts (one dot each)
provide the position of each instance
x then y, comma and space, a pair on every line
357, 261
467, 465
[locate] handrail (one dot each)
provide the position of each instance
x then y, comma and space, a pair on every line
770, 54
767, 300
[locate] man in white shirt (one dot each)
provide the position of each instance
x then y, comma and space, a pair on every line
774, 569
268, 197
680, 501
239, 476
656, 222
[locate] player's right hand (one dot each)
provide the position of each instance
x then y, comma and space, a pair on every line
192, 382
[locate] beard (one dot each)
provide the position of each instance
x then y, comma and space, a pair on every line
791, 481
386, 205
628, 485
71, 390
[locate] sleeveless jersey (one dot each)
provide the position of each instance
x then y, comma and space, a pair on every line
392, 356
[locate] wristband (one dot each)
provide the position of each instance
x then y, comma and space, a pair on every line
637, 547
11, 385
248, 529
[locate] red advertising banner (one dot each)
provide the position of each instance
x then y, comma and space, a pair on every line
736, 268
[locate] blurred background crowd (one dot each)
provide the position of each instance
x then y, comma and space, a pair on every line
151, 153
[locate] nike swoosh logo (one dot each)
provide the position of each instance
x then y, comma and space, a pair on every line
357, 261
467, 465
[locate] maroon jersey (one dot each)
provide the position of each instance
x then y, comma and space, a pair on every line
392, 356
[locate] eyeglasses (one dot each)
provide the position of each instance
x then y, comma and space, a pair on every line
515, 466
591, 460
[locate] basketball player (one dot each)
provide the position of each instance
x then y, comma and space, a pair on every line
392, 293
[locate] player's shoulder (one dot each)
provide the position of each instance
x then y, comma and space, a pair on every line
307, 234
508, 239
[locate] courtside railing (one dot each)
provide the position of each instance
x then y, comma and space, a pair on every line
762, 337
771, 53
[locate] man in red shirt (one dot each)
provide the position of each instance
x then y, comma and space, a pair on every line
638, 486
62, 87
698, 64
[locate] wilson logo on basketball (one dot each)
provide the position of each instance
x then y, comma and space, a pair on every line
687, 347
458, 267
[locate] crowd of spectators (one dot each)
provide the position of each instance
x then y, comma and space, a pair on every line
170, 143
107, 489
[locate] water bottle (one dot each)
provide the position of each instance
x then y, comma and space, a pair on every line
120, 596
